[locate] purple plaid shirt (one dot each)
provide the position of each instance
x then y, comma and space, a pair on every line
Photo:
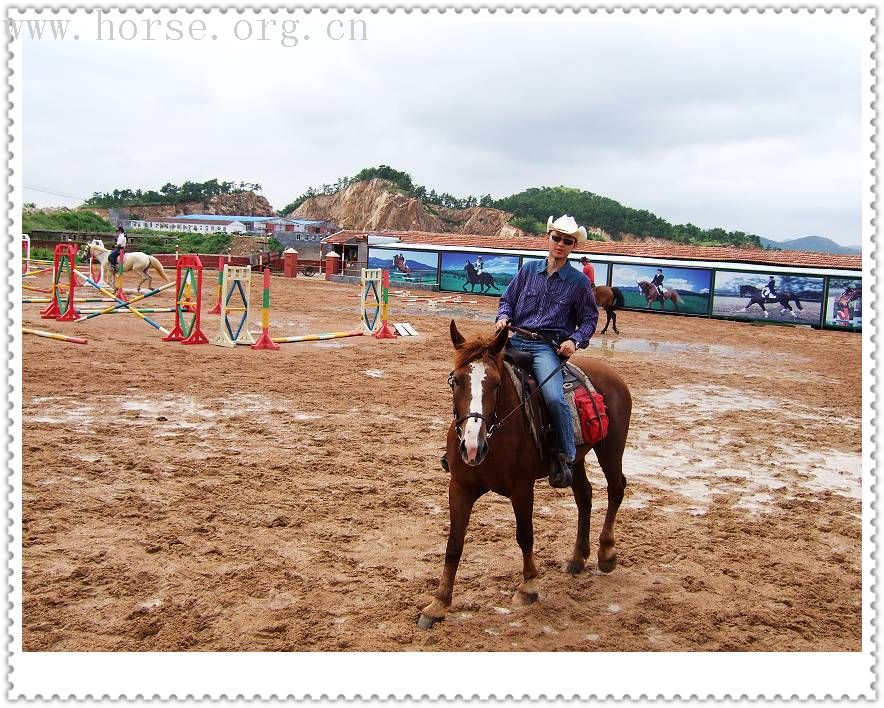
562, 302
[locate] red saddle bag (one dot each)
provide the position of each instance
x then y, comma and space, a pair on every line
593, 415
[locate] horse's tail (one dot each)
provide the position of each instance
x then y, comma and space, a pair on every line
618, 300
158, 267
676, 297
797, 302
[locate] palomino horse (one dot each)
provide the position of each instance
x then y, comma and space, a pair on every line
483, 280
652, 295
135, 261
756, 297
609, 299
484, 397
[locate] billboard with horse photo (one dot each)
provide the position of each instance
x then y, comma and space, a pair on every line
663, 288
767, 296
844, 304
406, 267
600, 269
477, 273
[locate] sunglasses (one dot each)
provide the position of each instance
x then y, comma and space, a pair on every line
562, 239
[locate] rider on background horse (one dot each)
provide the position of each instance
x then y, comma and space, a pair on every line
119, 246
479, 265
657, 282
554, 299
770, 290
588, 271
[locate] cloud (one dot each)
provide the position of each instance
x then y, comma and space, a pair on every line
748, 122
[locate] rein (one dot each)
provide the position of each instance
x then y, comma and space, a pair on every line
496, 424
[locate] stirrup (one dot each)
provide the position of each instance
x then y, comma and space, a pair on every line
562, 474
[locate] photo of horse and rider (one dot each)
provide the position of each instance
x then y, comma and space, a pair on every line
660, 288
477, 273
768, 296
600, 268
406, 267
844, 303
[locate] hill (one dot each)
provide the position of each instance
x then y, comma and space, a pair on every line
377, 204
816, 244
386, 198
62, 219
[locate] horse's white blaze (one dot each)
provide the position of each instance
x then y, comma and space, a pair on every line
472, 426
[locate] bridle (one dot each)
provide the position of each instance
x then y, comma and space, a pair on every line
495, 424
490, 426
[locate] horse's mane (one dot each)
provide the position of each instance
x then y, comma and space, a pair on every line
477, 348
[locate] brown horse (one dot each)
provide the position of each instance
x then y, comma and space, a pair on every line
609, 299
652, 295
484, 396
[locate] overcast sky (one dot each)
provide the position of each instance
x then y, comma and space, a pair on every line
751, 123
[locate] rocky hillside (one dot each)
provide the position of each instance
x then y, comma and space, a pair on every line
375, 204
240, 203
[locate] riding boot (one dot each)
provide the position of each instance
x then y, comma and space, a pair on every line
563, 472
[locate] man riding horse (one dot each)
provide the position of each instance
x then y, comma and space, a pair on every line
552, 298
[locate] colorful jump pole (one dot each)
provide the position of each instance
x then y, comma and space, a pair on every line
107, 292
217, 309
264, 341
112, 308
53, 335
119, 294
189, 269
316, 337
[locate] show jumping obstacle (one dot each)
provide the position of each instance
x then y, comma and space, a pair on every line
235, 281
123, 303
380, 303
53, 335
188, 278
129, 303
63, 267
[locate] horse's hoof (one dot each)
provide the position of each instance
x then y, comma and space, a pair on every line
427, 622
575, 567
524, 598
608, 565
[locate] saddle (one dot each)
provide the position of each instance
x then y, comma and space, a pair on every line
588, 415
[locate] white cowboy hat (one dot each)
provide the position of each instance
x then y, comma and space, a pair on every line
566, 225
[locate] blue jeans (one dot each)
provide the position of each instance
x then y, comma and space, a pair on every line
545, 360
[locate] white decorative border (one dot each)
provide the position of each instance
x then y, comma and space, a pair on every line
439, 675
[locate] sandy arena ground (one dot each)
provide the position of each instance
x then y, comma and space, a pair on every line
202, 498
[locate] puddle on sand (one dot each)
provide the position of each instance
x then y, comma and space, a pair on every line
443, 310
648, 346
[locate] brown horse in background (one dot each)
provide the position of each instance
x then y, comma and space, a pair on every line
652, 295
609, 299
484, 396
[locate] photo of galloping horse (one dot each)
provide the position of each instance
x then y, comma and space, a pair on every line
401, 264
783, 298
484, 280
486, 404
134, 261
652, 295
608, 299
